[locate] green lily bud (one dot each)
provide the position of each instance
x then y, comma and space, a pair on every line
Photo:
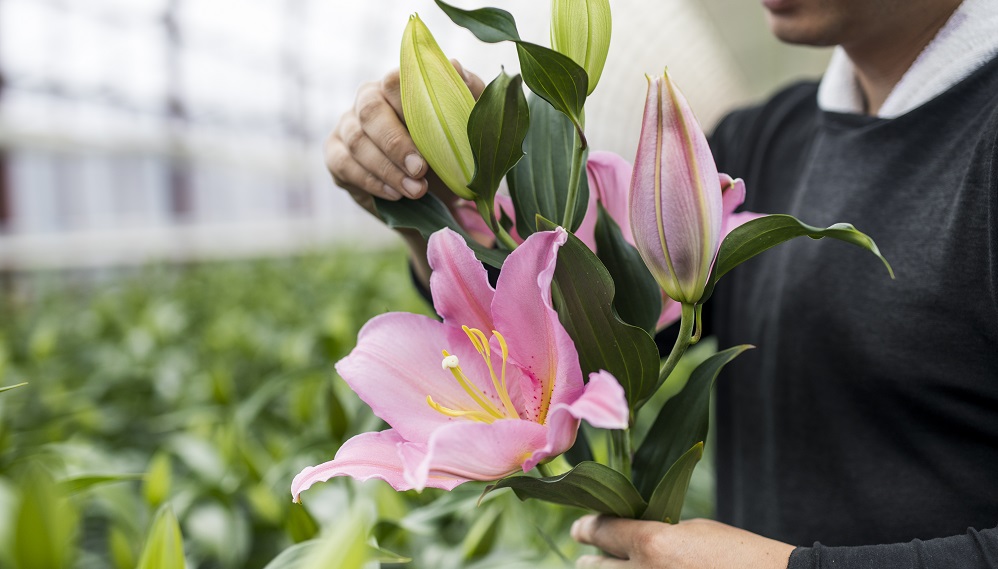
580, 29
436, 104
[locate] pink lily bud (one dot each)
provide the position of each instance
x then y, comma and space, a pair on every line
675, 198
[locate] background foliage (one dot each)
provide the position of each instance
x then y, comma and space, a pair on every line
201, 390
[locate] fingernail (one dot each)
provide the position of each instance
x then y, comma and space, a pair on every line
390, 192
414, 164
411, 187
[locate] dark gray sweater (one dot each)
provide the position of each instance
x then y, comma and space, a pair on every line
868, 415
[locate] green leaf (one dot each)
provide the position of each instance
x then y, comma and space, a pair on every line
298, 555
427, 215
497, 127
758, 235
382, 555
158, 480
639, 299
77, 484
301, 526
44, 524
491, 25
590, 485
164, 546
555, 78
682, 422
539, 182
666, 503
9, 387
482, 534
585, 295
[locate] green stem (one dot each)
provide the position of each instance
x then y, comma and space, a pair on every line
575, 176
544, 470
683, 341
487, 211
620, 451
505, 238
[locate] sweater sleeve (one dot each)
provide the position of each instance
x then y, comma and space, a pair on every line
972, 550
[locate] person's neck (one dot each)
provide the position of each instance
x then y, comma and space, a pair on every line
881, 62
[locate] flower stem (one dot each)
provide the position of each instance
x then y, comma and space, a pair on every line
683, 342
487, 211
620, 451
544, 470
575, 176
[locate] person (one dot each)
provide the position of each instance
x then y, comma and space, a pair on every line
864, 431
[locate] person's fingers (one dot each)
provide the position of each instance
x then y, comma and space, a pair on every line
612, 535
392, 91
365, 152
598, 562
351, 176
380, 123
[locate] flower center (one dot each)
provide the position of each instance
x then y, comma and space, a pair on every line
487, 411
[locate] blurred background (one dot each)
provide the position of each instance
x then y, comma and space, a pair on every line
178, 272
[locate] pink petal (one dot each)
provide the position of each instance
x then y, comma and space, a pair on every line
366, 456
609, 182
459, 283
475, 451
675, 199
602, 404
733, 195
523, 313
672, 311
397, 363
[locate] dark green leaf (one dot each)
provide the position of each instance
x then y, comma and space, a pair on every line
682, 422
758, 235
539, 182
555, 78
666, 502
496, 129
585, 294
491, 25
590, 485
639, 299
78, 484
428, 215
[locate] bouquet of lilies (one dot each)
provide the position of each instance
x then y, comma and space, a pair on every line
591, 266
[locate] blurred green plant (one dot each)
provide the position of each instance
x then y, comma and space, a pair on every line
201, 390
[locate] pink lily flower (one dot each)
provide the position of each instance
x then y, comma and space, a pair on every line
493, 389
676, 205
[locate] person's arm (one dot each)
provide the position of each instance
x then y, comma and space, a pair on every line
972, 550
704, 544
370, 153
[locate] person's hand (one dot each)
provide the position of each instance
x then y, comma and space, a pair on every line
370, 152
693, 544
